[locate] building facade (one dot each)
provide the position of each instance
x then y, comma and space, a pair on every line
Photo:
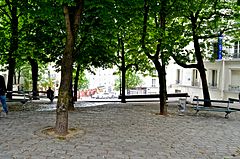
223, 77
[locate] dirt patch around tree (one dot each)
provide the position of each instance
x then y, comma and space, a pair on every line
49, 132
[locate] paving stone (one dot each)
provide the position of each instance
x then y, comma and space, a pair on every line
130, 131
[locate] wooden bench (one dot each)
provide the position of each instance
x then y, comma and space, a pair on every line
141, 96
182, 102
23, 101
234, 100
227, 109
24, 96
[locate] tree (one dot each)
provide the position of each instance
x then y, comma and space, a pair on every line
203, 20
72, 16
132, 81
94, 42
11, 11
84, 83
106, 34
129, 55
29, 36
40, 46
156, 41
80, 81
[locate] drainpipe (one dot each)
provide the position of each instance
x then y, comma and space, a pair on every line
223, 79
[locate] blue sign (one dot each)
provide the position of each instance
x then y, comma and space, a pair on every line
219, 54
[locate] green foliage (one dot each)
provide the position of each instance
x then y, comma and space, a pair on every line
26, 74
212, 18
164, 30
132, 81
94, 38
43, 32
83, 82
109, 26
40, 28
131, 31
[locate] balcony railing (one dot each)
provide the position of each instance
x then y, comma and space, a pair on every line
234, 88
195, 84
177, 81
212, 85
236, 55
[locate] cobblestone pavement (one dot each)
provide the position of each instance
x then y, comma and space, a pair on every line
122, 131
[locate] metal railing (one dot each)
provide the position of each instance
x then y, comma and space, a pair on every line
195, 83
234, 88
212, 85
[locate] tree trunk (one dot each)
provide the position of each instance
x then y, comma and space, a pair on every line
15, 78
201, 67
63, 96
162, 87
160, 69
18, 80
162, 73
34, 66
71, 101
11, 70
76, 82
163, 91
13, 48
206, 94
123, 69
72, 19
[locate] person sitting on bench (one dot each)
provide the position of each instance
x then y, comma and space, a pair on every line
50, 94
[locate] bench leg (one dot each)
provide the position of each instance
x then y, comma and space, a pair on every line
227, 115
196, 112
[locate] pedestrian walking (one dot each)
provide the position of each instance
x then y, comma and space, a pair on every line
3, 91
50, 94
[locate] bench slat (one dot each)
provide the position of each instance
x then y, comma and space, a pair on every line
234, 100
216, 101
227, 110
153, 96
214, 109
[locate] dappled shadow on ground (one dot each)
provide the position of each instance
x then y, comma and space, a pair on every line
127, 129
46, 105
94, 107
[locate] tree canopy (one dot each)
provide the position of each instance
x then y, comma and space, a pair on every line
134, 35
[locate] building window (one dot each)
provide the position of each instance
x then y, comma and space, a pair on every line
236, 53
235, 80
195, 78
178, 76
153, 82
154, 73
214, 78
